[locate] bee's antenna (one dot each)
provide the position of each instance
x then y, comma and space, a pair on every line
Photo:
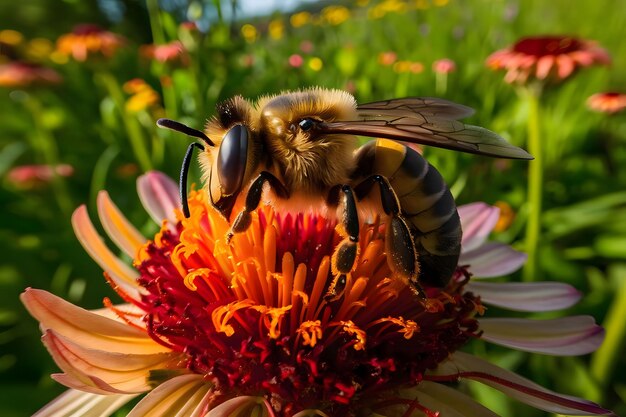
184, 171
179, 127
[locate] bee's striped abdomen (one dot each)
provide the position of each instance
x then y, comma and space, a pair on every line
426, 204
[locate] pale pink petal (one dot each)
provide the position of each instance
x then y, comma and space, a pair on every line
106, 372
493, 259
449, 402
566, 336
477, 221
464, 365
73, 403
566, 65
185, 395
121, 232
121, 274
544, 65
86, 328
159, 195
526, 296
235, 407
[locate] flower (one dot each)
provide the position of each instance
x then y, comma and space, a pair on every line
609, 102
28, 176
247, 328
296, 60
87, 40
387, 58
444, 66
142, 95
169, 52
546, 58
21, 74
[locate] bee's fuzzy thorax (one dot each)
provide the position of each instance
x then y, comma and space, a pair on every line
308, 162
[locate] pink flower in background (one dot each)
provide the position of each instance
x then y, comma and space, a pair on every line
547, 58
609, 102
387, 58
444, 66
170, 52
22, 74
218, 330
296, 60
37, 175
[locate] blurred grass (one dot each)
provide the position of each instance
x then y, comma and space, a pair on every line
85, 122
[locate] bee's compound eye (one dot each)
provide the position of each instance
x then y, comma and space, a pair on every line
232, 158
306, 124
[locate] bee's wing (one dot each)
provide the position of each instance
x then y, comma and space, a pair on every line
427, 121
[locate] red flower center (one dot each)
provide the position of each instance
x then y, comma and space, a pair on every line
254, 318
547, 45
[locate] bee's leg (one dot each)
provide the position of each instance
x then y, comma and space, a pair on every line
253, 198
346, 254
399, 243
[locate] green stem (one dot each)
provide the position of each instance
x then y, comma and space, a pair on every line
535, 185
441, 83
45, 148
133, 129
604, 359
158, 37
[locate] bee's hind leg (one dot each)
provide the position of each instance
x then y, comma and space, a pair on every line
399, 243
253, 198
346, 253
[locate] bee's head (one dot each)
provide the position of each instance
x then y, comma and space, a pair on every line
291, 117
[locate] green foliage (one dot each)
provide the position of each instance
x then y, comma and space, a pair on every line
88, 122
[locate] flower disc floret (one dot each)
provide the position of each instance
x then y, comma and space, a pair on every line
254, 316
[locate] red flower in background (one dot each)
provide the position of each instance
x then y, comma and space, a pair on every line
546, 58
609, 102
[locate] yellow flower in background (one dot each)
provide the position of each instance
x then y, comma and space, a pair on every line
11, 37
142, 97
276, 29
316, 64
440, 3
422, 4
249, 32
300, 19
507, 215
335, 15
39, 48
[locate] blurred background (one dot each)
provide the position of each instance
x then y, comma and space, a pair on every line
82, 83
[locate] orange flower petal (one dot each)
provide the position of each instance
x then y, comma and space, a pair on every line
120, 273
106, 372
87, 328
124, 234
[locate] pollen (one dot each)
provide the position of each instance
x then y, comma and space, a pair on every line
311, 331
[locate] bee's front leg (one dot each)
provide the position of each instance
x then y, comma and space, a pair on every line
253, 198
346, 254
399, 242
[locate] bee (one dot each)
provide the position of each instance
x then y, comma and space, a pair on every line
300, 151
